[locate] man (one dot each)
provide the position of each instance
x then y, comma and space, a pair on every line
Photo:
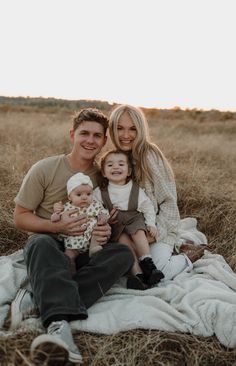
59, 297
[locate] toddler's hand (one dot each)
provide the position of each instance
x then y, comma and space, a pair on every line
152, 231
113, 213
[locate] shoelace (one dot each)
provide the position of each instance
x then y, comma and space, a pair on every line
55, 328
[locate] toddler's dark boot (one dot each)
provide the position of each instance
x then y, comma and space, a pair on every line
151, 274
136, 282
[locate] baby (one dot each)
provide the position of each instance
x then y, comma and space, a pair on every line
80, 195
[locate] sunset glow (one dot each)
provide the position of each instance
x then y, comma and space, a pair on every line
149, 53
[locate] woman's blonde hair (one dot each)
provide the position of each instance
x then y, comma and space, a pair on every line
142, 145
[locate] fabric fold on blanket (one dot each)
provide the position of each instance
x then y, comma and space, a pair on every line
12, 276
201, 302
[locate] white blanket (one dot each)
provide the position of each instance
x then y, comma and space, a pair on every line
202, 302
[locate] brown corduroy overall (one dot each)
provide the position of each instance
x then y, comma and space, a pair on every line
128, 221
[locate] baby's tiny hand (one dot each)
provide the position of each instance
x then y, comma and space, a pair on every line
102, 218
58, 207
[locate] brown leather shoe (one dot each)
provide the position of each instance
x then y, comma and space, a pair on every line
193, 252
192, 246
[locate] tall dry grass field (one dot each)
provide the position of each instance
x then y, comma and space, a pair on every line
202, 152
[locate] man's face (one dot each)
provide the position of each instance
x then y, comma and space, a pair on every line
88, 139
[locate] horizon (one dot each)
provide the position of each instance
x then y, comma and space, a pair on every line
176, 107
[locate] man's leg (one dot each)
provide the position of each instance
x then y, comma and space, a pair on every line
104, 268
49, 273
56, 295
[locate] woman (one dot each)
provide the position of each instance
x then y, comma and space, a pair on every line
129, 132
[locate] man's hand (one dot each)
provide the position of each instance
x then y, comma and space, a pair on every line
102, 233
71, 224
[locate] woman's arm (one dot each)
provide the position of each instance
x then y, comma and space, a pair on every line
146, 206
163, 194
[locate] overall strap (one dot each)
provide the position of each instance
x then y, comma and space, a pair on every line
106, 199
133, 197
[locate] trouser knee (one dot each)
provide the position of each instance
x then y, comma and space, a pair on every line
42, 249
122, 254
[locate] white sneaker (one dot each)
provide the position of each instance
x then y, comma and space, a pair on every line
22, 308
57, 345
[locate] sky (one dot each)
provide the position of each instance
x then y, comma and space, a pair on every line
151, 53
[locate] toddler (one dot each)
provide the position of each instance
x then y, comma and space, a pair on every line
136, 215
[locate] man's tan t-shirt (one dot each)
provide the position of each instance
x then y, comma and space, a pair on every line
45, 184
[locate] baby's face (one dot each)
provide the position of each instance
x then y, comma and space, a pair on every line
81, 196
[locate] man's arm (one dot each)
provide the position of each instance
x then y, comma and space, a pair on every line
25, 219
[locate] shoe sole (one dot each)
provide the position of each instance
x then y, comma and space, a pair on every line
155, 278
16, 315
45, 348
135, 283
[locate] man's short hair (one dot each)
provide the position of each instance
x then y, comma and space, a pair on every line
92, 115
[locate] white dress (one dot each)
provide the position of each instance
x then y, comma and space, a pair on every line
82, 242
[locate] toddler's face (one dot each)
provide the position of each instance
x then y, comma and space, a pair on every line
82, 196
116, 168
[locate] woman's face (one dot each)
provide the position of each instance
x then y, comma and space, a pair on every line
126, 132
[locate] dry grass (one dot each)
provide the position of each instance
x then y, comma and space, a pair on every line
203, 155
132, 348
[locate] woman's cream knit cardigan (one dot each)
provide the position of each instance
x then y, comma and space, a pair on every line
164, 197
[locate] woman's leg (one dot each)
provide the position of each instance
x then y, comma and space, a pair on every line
170, 265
